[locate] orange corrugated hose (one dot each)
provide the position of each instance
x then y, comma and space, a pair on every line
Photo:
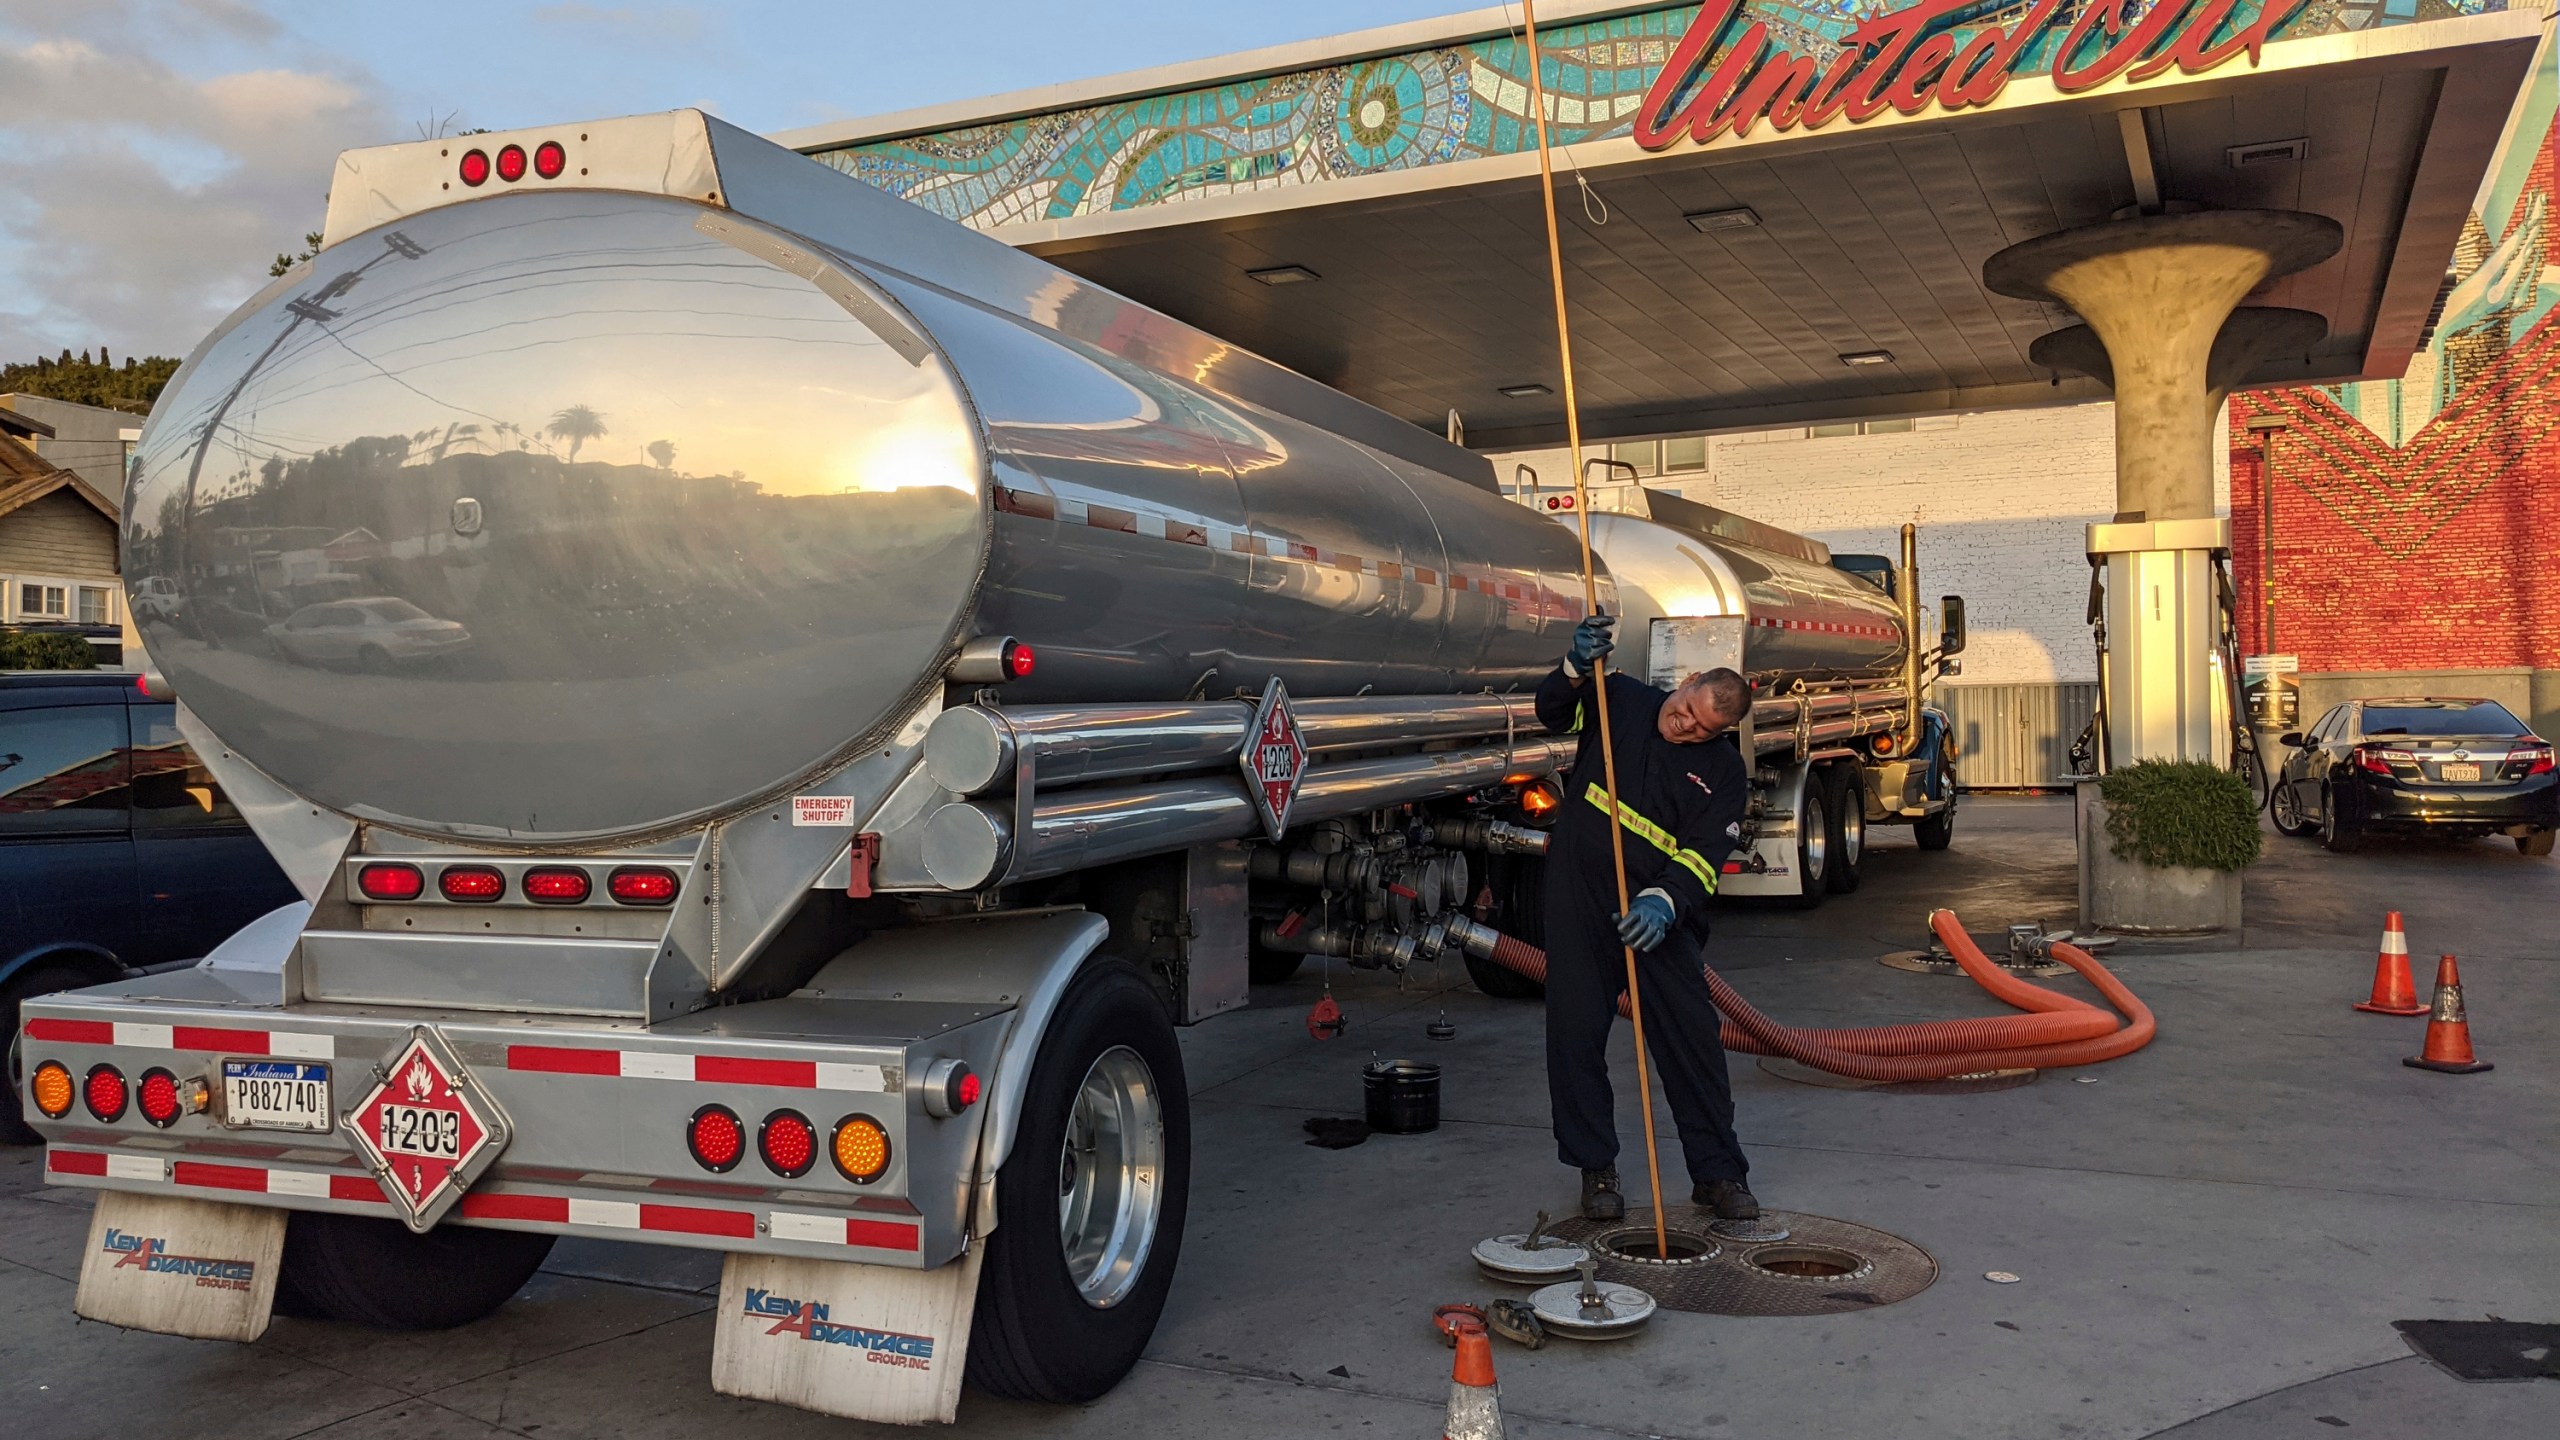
2059, 1031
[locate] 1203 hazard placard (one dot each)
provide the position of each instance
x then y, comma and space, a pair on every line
1275, 758
428, 1129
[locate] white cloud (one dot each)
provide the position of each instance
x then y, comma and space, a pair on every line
146, 203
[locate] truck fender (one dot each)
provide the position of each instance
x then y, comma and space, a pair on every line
1022, 958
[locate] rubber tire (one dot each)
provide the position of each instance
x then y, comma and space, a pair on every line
1937, 832
1034, 1337
2337, 836
2280, 800
374, 660
1272, 967
1812, 889
2536, 844
1520, 899
39, 979
1844, 803
373, 1272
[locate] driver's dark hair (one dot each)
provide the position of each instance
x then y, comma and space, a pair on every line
1730, 692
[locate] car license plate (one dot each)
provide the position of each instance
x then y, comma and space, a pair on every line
2459, 771
276, 1095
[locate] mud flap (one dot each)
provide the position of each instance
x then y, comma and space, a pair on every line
181, 1267
867, 1342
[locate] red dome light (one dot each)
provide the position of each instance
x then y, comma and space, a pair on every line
391, 882
789, 1144
159, 1098
641, 885
557, 886
106, 1093
471, 884
1019, 661
970, 1089
715, 1137
475, 167
549, 160
511, 164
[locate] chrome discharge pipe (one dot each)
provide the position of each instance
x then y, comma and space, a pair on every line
974, 749
969, 844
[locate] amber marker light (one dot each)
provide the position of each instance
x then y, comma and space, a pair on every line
51, 1088
861, 1149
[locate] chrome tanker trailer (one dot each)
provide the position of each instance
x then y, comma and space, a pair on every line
777, 704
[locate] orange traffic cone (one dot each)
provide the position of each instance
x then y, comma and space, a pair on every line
2448, 1046
2394, 992
1475, 1402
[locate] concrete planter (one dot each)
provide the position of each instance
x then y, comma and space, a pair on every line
2138, 899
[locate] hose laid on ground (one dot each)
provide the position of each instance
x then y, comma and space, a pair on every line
2059, 1031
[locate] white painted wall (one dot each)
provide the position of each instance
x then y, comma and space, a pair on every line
2002, 499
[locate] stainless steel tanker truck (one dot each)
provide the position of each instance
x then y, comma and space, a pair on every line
778, 705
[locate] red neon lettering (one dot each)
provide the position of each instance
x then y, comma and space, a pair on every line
1981, 70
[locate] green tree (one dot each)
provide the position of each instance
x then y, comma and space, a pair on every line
310, 247
131, 386
577, 425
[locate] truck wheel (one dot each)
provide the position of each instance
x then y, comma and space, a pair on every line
1813, 845
375, 1272
1845, 798
40, 980
1519, 894
1089, 1206
1936, 832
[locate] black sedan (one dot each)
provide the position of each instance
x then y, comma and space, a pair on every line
2433, 765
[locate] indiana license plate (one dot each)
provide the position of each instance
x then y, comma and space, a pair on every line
276, 1095
2461, 770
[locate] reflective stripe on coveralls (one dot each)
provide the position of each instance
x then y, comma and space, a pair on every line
1654, 835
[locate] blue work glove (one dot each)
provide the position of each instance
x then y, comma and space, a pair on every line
1646, 921
1590, 642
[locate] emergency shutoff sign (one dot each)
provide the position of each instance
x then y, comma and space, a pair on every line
1275, 758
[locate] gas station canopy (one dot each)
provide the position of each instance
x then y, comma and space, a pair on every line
1364, 209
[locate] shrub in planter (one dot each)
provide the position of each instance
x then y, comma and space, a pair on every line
2170, 813
45, 650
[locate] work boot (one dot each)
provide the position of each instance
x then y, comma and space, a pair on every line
1728, 1198
1600, 1197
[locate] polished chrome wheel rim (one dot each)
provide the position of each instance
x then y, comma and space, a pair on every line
1853, 833
2288, 811
1111, 1176
1814, 830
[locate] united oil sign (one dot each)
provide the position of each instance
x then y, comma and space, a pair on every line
1725, 77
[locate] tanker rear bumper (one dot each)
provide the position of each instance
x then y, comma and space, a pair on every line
597, 1115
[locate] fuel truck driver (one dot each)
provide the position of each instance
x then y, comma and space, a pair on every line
1683, 788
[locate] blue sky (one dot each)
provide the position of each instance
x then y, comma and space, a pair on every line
155, 154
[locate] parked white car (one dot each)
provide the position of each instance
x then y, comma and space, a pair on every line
378, 633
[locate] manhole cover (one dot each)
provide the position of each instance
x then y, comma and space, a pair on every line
1635, 1245
1803, 1074
1873, 1268
1932, 962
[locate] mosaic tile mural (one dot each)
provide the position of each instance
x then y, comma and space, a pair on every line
1395, 112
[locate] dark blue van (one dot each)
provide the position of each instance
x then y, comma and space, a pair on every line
118, 852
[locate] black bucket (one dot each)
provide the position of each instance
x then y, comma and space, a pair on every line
1404, 1096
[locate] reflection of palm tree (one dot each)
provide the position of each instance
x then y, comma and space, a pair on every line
577, 425
663, 452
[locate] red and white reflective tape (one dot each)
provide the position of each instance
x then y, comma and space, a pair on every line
700, 1069
206, 1175
645, 1216
1829, 627
847, 1230
143, 1035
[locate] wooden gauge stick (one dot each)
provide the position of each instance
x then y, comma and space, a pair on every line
1591, 605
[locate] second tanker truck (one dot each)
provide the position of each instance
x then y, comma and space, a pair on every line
777, 705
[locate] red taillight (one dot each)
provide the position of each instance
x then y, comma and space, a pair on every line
1018, 660
511, 164
106, 1093
549, 160
391, 882
471, 884
715, 1137
970, 1088
641, 885
2537, 762
158, 1098
475, 167
559, 886
788, 1143
2376, 761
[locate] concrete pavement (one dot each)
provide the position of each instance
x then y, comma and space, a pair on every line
2214, 1235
